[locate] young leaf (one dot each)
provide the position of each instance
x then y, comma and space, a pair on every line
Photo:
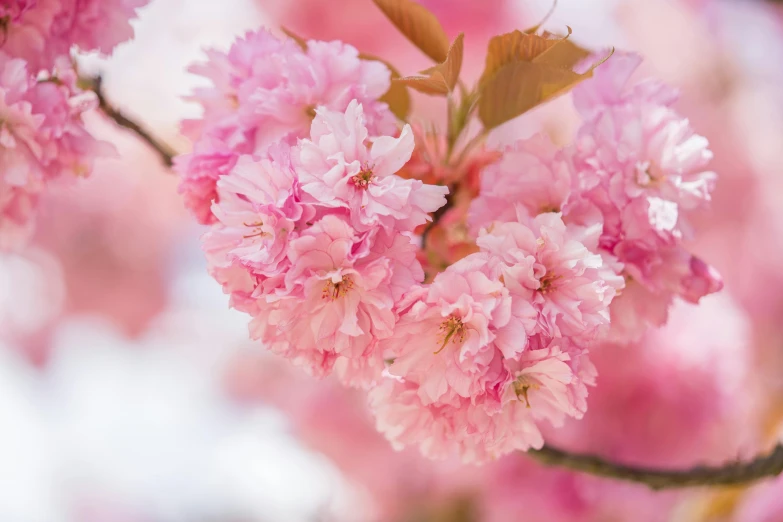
513, 47
397, 97
418, 25
564, 54
442, 78
520, 86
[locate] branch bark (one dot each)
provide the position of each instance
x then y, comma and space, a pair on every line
730, 474
164, 150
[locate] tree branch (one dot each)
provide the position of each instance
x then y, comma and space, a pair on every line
164, 150
731, 474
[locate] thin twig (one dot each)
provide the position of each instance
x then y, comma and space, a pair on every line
731, 474
164, 150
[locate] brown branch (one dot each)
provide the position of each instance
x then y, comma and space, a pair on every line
164, 150
731, 474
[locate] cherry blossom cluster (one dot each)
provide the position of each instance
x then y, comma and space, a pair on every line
43, 136
638, 170
321, 207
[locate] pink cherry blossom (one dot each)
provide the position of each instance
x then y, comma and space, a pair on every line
649, 152
335, 303
543, 384
644, 169
43, 138
532, 174
445, 339
466, 378
259, 210
549, 266
267, 88
43, 31
339, 170
200, 170
610, 86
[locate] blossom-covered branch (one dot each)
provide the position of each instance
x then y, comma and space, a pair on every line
732, 474
165, 151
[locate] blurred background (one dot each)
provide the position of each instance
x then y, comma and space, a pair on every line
130, 393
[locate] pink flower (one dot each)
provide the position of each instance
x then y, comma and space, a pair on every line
67, 146
610, 87
338, 169
646, 152
643, 168
266, 89
43, 137
336, 304
549, 266
445, 339
650, 292
532, 174
542, 384
42, 31
466, 378
259, 211
199, 171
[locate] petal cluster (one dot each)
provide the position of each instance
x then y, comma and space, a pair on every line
314, 241
641, 165
42, 31
633, 177
497, 343
42, 138
266, 90
315, 197
42, 133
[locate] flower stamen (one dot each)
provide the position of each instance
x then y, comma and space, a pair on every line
363, 179
453, 330
547, 283
334, 291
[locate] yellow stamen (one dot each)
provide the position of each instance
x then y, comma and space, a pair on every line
334, 291
452, 329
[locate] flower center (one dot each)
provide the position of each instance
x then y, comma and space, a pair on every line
256, 230
451, 329
650, 175
334, 291
521, 387
363, 179
547, 283
310, 111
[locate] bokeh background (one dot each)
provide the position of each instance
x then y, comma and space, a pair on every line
130, 393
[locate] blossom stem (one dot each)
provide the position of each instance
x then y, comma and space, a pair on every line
164, 150
730, 474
